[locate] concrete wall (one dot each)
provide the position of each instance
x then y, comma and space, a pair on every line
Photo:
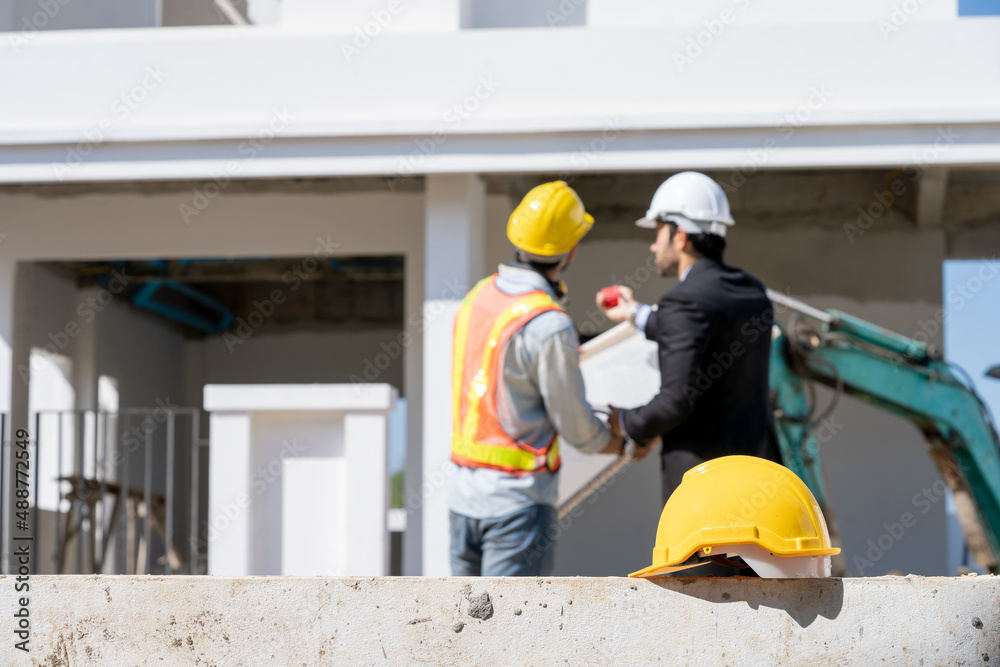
145, 353
742, 97
439, 15
298, 357
28, 16
45, 307
199, 12
507, 621
524, 14
348, 18
676, 12
450, 15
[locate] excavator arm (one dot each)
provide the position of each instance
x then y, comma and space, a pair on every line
901, 375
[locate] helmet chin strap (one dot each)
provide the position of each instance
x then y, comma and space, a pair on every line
562, 290
728, 562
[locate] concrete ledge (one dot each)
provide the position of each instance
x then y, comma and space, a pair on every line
308, 621
290, 397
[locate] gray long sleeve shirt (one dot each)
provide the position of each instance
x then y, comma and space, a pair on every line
541, 394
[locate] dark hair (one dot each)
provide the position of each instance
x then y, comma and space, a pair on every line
541, 267
706, 245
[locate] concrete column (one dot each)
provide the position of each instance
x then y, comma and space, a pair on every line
366, 441
20, 341
8, 379
931, 191
229, 471
413, 386
83, 351
453, 260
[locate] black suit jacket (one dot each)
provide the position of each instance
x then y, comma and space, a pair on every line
713, 331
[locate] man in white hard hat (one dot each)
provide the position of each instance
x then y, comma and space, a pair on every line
713, 330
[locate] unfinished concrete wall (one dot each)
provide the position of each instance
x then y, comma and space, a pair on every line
100, 336
507, 621
297, 357
29, 16
145, 353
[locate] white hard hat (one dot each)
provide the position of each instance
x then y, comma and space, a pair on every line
692, 201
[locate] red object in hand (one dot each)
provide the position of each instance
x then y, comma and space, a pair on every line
609, 296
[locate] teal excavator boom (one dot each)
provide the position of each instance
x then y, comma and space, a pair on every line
901, 375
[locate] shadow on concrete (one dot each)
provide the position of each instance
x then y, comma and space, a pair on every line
802, 599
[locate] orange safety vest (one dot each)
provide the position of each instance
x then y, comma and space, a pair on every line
485, 322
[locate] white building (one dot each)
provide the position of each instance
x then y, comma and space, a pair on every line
859, 143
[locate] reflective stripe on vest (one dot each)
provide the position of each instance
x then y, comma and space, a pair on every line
485, 322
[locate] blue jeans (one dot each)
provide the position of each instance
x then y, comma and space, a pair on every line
521, 544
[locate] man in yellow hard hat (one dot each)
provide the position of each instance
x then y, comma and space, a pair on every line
518, 394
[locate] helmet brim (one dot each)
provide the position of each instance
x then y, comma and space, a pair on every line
689, 226
660, 570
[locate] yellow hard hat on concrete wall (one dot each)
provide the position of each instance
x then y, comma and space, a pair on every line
745, 506
549, 221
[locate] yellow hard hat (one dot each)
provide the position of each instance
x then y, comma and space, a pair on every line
738, 500
549, 221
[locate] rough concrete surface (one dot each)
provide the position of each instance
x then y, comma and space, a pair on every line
127, 620
481, 607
